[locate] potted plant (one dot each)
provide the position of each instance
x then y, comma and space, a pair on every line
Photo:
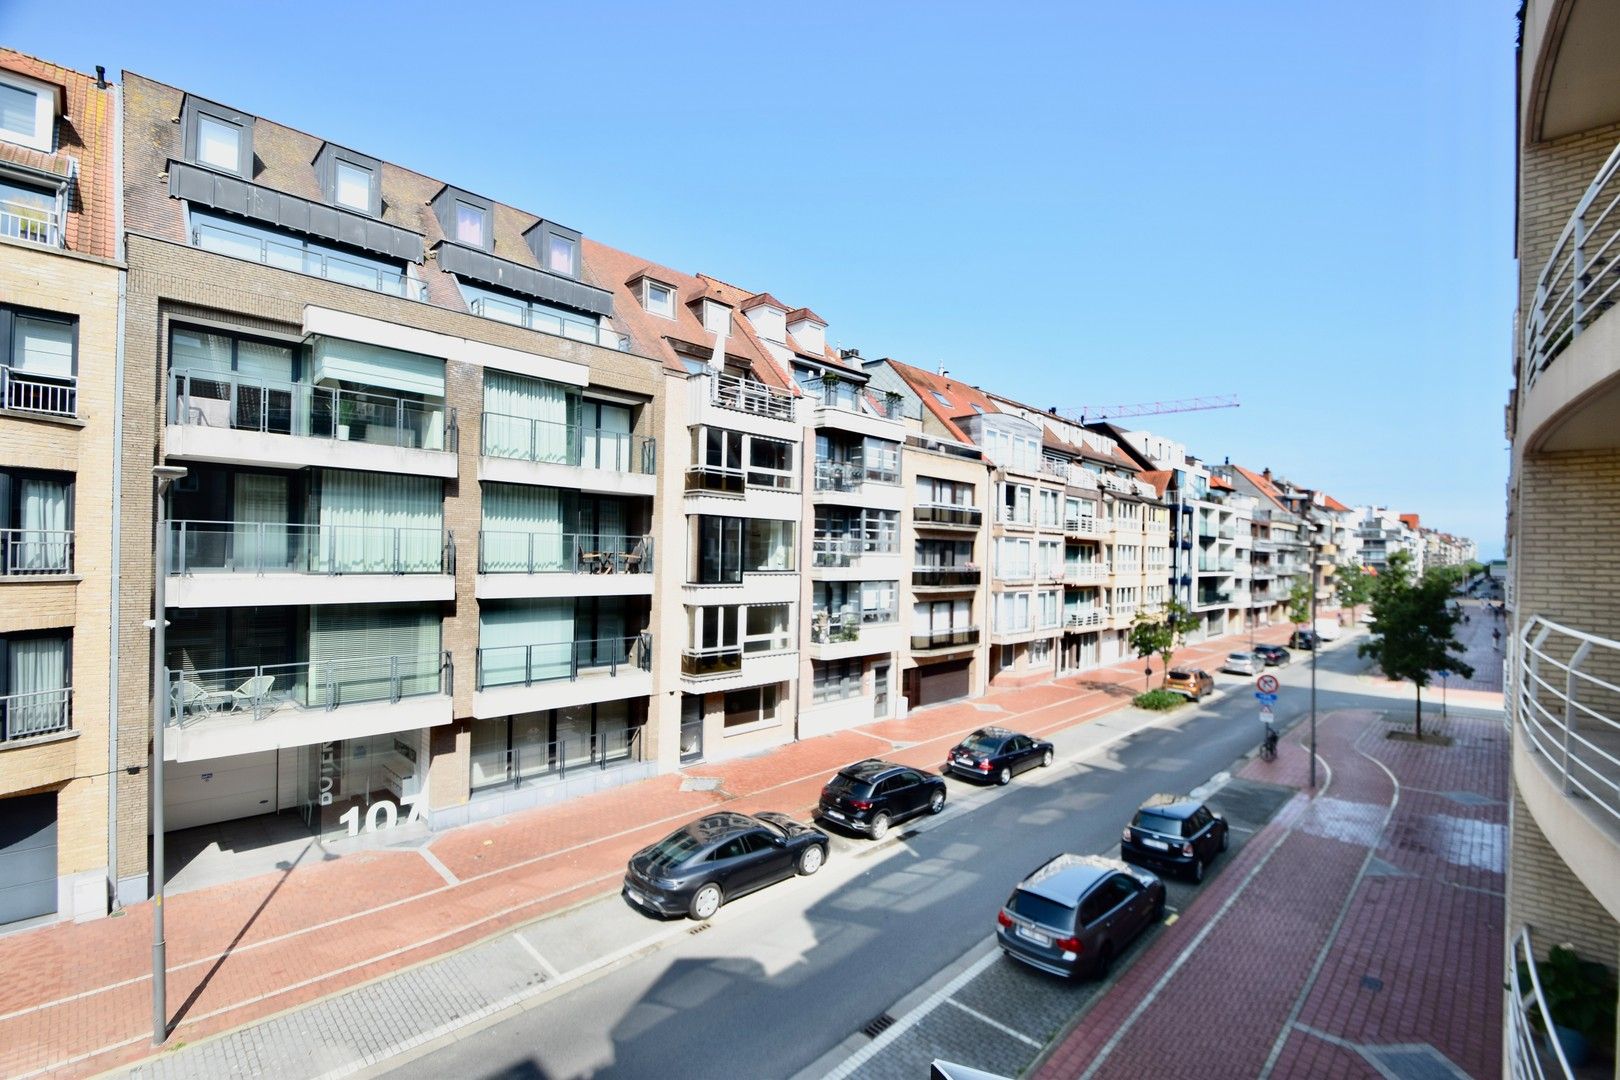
893, 398
1580, 996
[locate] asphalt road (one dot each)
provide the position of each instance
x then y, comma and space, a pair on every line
780, 978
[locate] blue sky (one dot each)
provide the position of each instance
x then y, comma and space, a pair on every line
1307, 205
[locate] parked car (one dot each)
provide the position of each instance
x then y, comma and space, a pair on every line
1195, 683
871, 795
1175, 833
1243, 663
996, 753
1303, 639
1273, 655
720, 857
1365, 618
1075, 913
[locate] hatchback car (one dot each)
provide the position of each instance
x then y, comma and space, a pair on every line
1194, 683
720, 857
871, 795
998, 754
1273, 655
1303, 639
1075, 913
1243, 663
1175, 833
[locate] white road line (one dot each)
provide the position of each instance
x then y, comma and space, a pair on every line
910, 1020
545, 965
997, 1024
433, 861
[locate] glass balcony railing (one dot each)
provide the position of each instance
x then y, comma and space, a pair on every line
945, 639
965, 576
525, 665
35, 551
556, 760
524, 439
254, 693
274, 547
225, 400
702, 663
49, 395
516, 313
716, 480
506, 552
839, 393
43, 712
291, 255
850, 476
935, 514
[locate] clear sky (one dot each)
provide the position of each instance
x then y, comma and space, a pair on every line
1309, 205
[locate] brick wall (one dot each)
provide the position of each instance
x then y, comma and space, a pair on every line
1545, 894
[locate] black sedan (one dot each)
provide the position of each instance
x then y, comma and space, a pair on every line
1176, 833
1273, 655
695, 869
996, 753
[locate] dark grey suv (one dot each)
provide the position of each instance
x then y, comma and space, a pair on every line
1075, 913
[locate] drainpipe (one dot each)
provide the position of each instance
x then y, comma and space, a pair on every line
117, 505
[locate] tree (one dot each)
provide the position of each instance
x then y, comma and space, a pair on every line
1158, 633
1354, 586
1299, 603
1413, 627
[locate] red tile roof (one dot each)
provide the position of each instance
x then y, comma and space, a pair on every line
1159, 478
1221, 482
1410, 521
760, 300
1334, 504
962, 397
1262, 485
804, 314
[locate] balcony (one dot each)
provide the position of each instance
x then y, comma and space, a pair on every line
258, 563
708, 663
1086, 573
292, 255
241, 710
42, 395
36, 552
1531, 1055
849, 551
1087, 619
530, 564
965, 576
517, 449
35, 224
517, 314
1085, 526
1213, 599
526, 678
716, 480
838, 634
847, 406
219, 416
939, 640
934, 516
30, 716
1217, 566
727, 400
874, 484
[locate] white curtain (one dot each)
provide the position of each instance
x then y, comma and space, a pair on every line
356, 652
43, 347
38, 666
42, 542
525, 418
261, 531
523, 531
605, 438
363, 516
537, 632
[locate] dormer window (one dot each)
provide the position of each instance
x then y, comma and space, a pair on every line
555, 247
218, 137
353, 187
716, 318
472, 224
28, 111
466, 219
658, 299
561, 253
350, 180
219, 144
19, 111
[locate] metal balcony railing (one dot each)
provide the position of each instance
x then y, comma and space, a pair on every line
523, 439
1080, 620
35, 551
1082, 573
49, 395
507, 552
963, 576
848, 396
1567, 701
36, 224
254, 693
273, 547
518, 314
525, 665
702, 663
1084, 525
226, 400
935, 514
749, 396
42, 712
849, 476
1527, 1009
1578, 283
944, 639
292, 255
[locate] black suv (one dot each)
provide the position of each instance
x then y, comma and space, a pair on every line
1273, 655
994, 753
1174, 832
1304, 639
871, 795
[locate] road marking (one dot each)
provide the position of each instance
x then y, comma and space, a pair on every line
545, 965
911, 1019
433, 861
997, 1024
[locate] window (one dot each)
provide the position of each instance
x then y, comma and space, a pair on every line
29, 213
835, 680
36, 671
716, 318
658, 299
770, 545
353, 186
1048, 608
728, 547
942, 399
561, 253
41, 351
770, 463
936, 492
546, 318
285, 251
768, 628
757, 704
19, 111
219, 144
471, 225
1015, 504
1012, 559
1049, 507
36, 510
1040, 652
734, 848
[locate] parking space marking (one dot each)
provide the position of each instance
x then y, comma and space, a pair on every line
997, 1024
545, 965
912, 1018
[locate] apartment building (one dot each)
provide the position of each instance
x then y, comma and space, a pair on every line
1380, 533
62, 753
1280, 540
411, 562
1563, 876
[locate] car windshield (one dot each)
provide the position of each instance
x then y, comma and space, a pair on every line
1238, 656
849, 785
673, 849
1181, 674
980, 743
1158, 823
1040, 909
772, 826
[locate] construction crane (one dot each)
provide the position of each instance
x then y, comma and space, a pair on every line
1087, 413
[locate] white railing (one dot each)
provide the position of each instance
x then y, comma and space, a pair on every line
1527, 1006
42, 712
1083, 572
1566, 709
37, 225
1580, 277
1084, 525
53, 395
749, 396
1079, 620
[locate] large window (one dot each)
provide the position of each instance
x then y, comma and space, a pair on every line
19, 111
724, 461
219, 144
1013, 562
1013, 612
36, 522
725, 548
871, 602
40, 353
29, 213
36, 672
936, 492
1016, 504
755, 705
943, 552
835, 680
768, 628
845, 532
285, 251
770, 463
1050, 501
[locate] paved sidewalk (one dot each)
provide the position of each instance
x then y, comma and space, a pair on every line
1357, 935
76, 997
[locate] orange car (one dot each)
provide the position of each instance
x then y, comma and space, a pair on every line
1194, 682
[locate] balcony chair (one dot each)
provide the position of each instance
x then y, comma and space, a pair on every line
252, 693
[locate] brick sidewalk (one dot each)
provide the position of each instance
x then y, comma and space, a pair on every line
1361, 930
76, 997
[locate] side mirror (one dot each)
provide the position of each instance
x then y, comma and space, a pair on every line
778, 841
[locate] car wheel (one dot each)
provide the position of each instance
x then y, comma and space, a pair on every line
811, 858
936, 802
1105, 960
1198, 871
1004, 777
1158, 909
1226, 838
1046, 759
880, 825
705, 902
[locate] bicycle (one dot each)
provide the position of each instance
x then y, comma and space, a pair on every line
1268, 748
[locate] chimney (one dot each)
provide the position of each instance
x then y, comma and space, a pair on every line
1266, 474
101, 77
849, 354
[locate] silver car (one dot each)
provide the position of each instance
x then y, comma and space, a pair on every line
1243, 663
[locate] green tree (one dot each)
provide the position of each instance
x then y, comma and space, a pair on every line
1299, 603
1354, 586
1413, 627
1158, 632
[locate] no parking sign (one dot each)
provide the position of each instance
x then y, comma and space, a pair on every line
1266, 684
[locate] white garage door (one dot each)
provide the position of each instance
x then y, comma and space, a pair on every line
220, 789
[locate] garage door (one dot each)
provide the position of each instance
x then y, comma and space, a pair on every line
943, 682
27, 857
219, 789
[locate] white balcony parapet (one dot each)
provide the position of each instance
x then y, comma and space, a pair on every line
1564, 709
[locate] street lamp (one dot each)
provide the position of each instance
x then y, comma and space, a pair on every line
162, 477
1316, 647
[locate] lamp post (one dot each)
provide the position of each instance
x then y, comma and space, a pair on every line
162, 477
1316, 647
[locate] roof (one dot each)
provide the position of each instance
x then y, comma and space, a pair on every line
1176, 806
1334, 504
1410, 521
715, 826
962, 397
1221, 482
1158, 478
1264, 486
761, 300
871, 767
804, 314
1066, 878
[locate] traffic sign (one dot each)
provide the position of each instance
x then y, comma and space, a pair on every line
1265, 698
1266, 684
1265, 712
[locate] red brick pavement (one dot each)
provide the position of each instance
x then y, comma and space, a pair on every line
1415, 959
76, 997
